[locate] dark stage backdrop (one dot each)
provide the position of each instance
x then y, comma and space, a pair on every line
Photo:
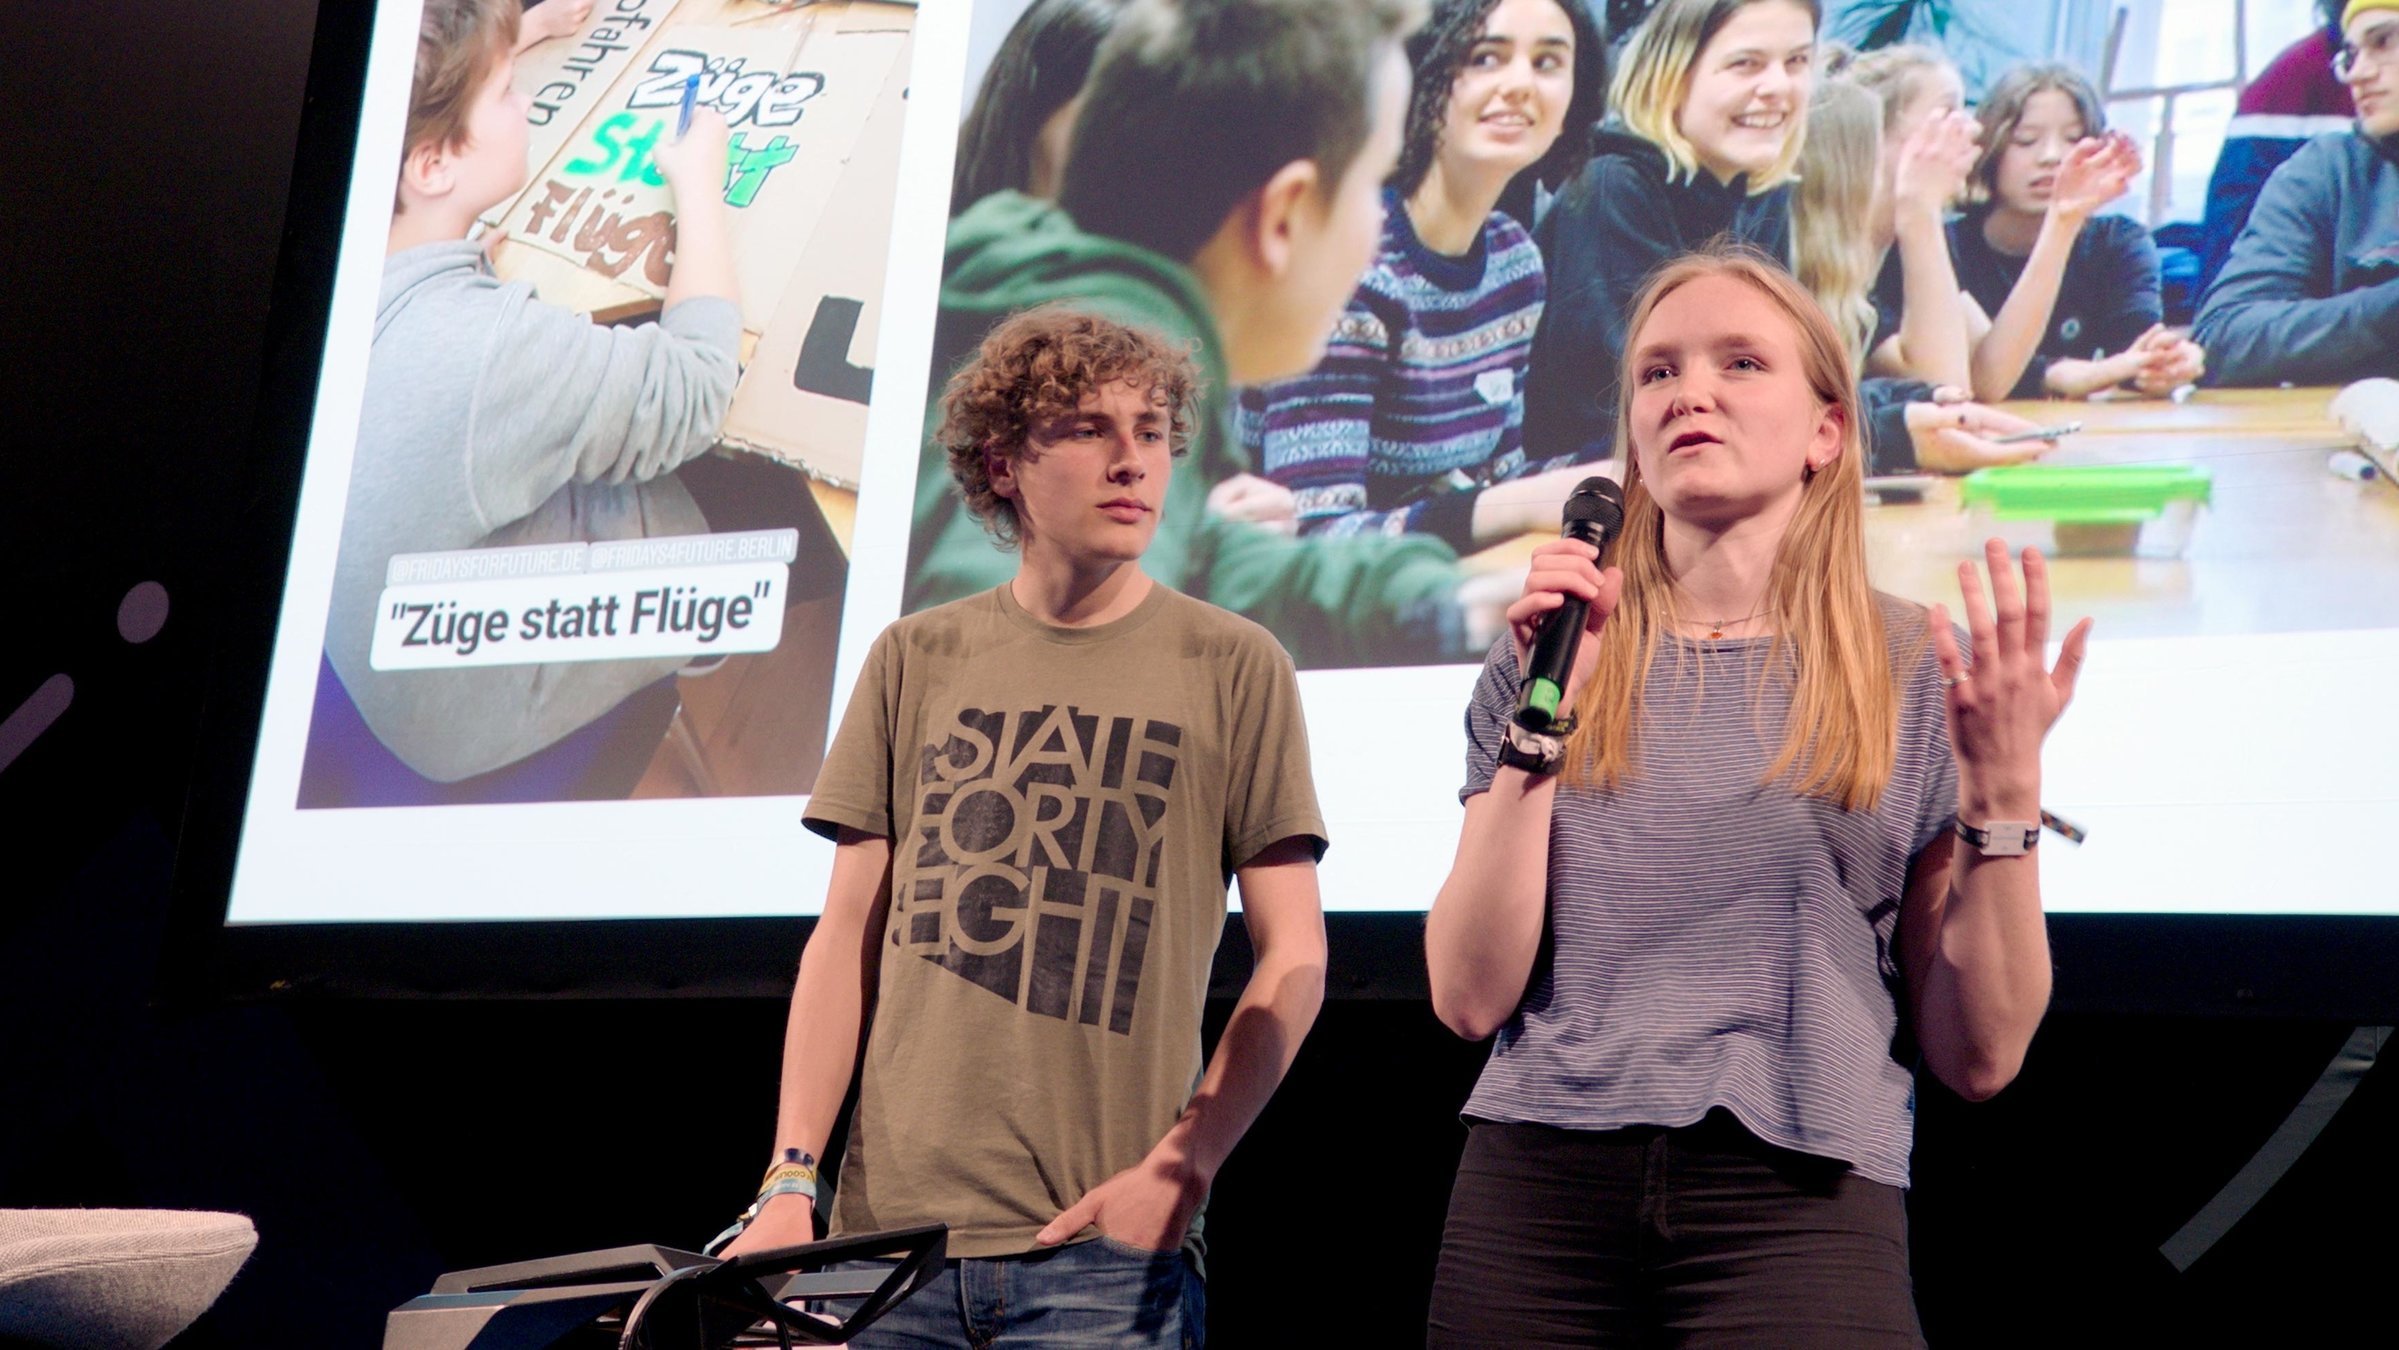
379, 1142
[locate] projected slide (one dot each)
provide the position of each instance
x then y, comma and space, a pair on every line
621, 458
598, 520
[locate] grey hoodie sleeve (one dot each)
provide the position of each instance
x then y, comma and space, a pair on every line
2274, 313
561, 399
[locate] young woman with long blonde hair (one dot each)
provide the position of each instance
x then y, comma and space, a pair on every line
1787, 810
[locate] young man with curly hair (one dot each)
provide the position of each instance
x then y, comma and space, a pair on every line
1038, 794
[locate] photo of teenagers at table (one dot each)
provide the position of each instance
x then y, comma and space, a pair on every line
2154, 408
598, 522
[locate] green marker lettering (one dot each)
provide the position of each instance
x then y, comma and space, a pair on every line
746, 168
604, 135
641, 164
629, 158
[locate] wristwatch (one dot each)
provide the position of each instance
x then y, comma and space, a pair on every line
2001, 838
1536, 752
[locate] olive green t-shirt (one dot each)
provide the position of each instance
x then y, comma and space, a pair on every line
1067, 807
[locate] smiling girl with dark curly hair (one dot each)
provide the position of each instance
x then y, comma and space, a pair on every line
1414, 419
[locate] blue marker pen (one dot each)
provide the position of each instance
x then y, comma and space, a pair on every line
691, 94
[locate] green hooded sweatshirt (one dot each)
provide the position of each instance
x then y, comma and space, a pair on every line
1382, 600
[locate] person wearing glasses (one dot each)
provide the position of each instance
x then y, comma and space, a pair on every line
2311, 293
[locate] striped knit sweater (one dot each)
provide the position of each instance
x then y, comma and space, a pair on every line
1419, 400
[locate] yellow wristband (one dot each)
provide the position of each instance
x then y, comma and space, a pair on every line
796, 1172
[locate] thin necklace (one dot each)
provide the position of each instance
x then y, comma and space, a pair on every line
1716, 629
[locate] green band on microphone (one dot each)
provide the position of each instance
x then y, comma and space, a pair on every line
1545, 695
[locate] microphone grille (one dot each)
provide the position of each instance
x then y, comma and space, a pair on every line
1596, 500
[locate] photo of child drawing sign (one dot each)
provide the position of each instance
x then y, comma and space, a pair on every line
521, 572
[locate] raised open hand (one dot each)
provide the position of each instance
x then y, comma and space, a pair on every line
2097, 171
2003, 705
1934, 162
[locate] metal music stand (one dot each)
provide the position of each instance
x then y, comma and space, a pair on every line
658, 1298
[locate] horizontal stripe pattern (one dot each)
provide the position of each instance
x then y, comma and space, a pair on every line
1420, 390
2285, 126
1714, 941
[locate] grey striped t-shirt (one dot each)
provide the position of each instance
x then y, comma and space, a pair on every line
1716, 942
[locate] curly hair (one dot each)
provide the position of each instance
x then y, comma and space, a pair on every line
1035, 368
1437, 52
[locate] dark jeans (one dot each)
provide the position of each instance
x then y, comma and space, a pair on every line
1094, 1295
1695, 1236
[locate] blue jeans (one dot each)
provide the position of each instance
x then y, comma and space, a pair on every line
1083, 1296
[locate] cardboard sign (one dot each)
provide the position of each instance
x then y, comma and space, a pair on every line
564, 79
803, 396
797, 97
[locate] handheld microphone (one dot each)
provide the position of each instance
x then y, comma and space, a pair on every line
1594, 513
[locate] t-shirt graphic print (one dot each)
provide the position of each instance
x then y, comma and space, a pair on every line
1041, 834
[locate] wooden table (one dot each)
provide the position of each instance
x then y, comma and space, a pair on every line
2284, 545
2240, 411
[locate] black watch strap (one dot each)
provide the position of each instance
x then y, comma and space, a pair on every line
1536, 752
